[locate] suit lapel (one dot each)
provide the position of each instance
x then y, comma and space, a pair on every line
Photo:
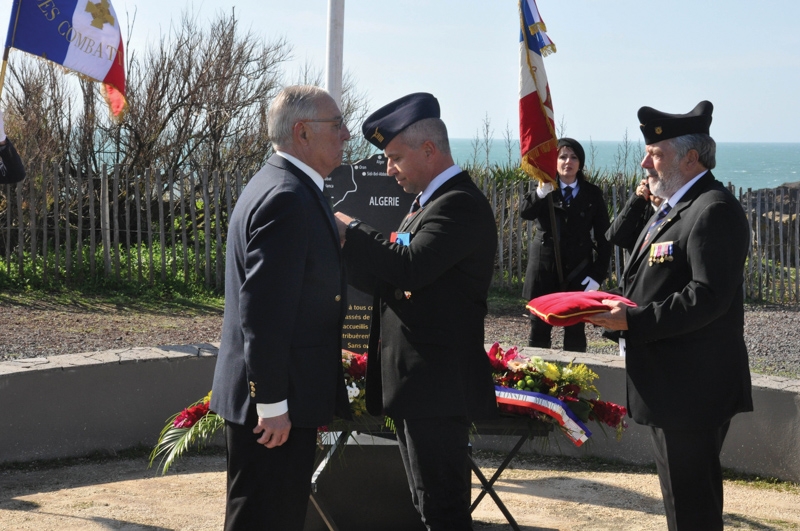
410, 223
324, 205
407, 220
673, 217
638, 248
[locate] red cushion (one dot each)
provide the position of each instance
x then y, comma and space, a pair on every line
571, 307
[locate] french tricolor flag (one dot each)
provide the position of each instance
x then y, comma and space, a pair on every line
537, 137
81, 35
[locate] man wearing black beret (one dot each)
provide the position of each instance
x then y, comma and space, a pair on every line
686, 361
427, 368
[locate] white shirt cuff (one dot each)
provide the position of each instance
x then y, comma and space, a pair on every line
622, 347
266, 411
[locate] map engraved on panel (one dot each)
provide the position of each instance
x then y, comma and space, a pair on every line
365, 191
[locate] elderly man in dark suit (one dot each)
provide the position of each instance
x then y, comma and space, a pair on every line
279, 369
427, 367
687, 366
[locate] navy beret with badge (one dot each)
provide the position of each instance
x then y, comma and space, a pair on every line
383, 125
657, 126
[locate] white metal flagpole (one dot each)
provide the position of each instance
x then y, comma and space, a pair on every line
335, 49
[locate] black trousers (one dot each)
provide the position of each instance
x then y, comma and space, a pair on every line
691, 476
268, 488
435, 453
574, 336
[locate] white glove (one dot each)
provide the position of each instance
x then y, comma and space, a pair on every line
2, 127
590, 283
544, 189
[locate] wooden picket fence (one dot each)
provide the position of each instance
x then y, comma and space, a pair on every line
771, 273
141, 226
131, 225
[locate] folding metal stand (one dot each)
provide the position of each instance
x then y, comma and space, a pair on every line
524, 428
318, 504
368, 425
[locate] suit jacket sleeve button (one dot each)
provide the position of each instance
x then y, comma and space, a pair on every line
337, 298
399, 295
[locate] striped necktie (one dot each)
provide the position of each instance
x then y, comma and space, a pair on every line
654, 226
414, 206
567, 194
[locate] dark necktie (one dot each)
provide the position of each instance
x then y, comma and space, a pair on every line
653, 228
567, 194
414, 206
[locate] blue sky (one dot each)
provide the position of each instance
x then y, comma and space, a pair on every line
613, 57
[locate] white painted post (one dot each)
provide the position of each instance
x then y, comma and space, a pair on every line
335, 50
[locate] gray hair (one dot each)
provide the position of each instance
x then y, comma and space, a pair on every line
292, 104
704, 145
432, 129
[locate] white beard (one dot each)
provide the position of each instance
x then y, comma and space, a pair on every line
666, 183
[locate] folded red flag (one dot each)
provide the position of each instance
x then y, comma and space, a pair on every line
571, 307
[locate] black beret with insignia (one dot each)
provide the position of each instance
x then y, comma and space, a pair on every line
657, 126
387, 122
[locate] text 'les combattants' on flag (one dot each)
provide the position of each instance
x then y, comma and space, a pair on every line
81, 35
537, 137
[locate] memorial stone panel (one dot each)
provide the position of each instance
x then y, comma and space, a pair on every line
365, 191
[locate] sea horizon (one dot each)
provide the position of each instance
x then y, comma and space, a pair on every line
746, 165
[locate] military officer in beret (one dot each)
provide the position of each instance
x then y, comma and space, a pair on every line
686, 361
279, 368
427, 368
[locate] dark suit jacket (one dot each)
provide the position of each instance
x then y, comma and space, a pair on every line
629, 223
686, 359
430, 306
11, 168
284, 302
583, 253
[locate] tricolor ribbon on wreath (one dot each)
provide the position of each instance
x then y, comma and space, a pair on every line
550, 406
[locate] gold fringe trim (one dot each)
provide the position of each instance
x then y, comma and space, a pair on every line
536, 27
541, 149
534, 172
549, 49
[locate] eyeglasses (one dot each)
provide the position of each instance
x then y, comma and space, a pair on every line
338, 121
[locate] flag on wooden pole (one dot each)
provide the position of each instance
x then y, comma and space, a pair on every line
537, 136
80, 35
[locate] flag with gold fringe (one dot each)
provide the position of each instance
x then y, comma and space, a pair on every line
80, 35
537, 137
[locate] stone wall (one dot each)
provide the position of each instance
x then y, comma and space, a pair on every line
75, 405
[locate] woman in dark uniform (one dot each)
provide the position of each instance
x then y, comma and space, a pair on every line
581, 223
